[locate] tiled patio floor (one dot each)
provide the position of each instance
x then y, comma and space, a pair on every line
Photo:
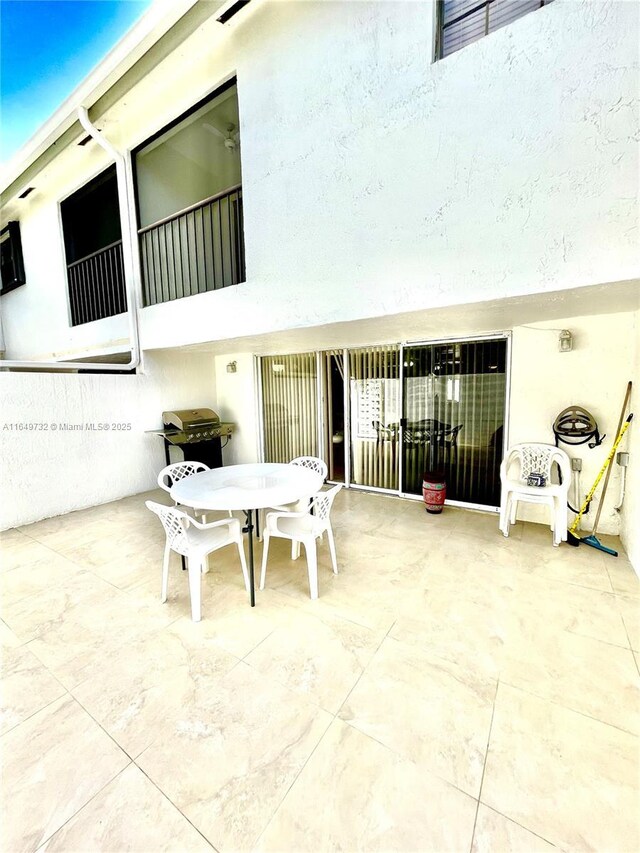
451, 690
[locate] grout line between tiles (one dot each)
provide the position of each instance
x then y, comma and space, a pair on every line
77, 812
297, 776
521, 825
484, 765
568, 708
364, 669
168, 798
33, 714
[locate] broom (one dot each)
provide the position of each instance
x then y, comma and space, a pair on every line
592, 539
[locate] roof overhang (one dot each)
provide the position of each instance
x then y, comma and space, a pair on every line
165, 24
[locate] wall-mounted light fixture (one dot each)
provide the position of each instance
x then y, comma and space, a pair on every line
565, 341
232, 367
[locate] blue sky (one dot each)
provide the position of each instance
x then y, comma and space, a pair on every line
47, 47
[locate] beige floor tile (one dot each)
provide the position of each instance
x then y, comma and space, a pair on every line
54, 763
19, 550
485, 525
319, 656
90, 634
227, 617
561, 606
25, 687
426, 709
131, 814
580, 566
229, 761
137, 694
8, 640
48, 606
630, 609
623, 578
566, 777
459, 629
46, 570
10, 537
578, 672
354, 794
495, 833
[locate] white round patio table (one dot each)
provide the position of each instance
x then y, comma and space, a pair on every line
258, 485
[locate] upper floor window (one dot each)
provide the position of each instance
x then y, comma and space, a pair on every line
189, 200
11, 263
461, 22
93, 248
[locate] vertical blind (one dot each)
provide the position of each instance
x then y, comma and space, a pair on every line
453, 410
374, 390
465, 21
290, 406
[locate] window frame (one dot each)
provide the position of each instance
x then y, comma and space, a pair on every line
219, 90
480, 4
12, 229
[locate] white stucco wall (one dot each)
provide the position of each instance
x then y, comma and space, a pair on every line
377, 182
50, 472
630, 515
236, 401
594, 375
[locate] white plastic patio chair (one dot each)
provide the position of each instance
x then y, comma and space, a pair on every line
535, 459
313, 463
195, 541
171, 474
303, 527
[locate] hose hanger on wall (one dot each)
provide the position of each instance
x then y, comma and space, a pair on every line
575, 425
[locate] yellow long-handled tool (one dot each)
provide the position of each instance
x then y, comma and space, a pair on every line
593, 540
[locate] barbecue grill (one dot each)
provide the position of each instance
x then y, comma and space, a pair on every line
197, 432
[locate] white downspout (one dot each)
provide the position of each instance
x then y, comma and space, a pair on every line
129, 258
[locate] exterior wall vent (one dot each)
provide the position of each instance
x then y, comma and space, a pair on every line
232, 10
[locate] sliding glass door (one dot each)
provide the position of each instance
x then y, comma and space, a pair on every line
374, 403
382, 416
290, 406
454, 397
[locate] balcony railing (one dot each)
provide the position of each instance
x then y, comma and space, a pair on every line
96, 285
196, 250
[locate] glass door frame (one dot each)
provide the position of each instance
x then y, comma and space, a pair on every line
459, 339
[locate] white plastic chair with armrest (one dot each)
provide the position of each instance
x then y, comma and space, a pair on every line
195, 541
313, 463
304, 527
535, 459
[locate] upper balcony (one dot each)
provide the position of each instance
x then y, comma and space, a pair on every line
189, 202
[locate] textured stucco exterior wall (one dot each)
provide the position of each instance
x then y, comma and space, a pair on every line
377, 182
630, 514
53, 471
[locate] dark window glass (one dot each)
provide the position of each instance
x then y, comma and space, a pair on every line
462, 22
91, 217
93, 247
11, 257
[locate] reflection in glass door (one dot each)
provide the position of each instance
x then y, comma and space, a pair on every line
290, 406
374, 397
454, 397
